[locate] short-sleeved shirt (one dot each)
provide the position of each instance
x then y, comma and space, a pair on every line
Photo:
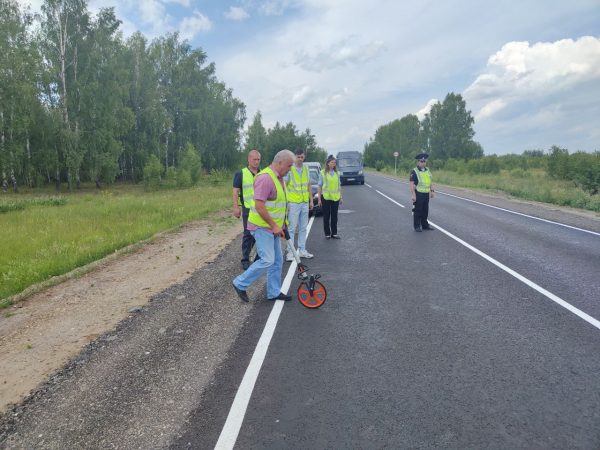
238, 182
264, 189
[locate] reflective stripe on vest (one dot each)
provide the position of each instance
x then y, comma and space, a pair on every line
298, 185
424, 178
276, 208
331, 186
248, 187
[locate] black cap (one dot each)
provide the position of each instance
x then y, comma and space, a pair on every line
422, 156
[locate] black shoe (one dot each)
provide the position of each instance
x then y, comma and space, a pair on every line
245, 264
335, 236
429, 228
241, 294
281, 296
418, 229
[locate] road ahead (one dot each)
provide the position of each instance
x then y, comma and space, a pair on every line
444, 339
481, 334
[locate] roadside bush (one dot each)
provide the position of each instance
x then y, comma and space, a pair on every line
379, 165
192, 163
184, 178
152, 173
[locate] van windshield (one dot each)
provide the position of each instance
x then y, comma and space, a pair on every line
349, 162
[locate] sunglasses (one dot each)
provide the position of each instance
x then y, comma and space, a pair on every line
422, 160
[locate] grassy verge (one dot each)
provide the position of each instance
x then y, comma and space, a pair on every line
44, 239
531, 185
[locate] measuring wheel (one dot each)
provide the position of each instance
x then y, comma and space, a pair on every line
314, 300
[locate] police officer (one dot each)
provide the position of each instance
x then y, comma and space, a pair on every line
421, 190
243, 196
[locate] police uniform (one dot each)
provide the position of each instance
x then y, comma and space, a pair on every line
422, 179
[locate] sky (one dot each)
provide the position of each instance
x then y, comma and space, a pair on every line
529, 71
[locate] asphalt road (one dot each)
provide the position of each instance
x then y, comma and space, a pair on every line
481, 334
424, 343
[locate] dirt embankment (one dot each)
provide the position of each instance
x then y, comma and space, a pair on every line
40, 334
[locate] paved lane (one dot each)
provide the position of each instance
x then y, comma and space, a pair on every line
424, 344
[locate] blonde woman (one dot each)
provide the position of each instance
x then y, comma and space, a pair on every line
330, 197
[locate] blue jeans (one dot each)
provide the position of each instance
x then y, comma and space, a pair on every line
298, 218
268, 248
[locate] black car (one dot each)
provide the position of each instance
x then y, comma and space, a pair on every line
313, 173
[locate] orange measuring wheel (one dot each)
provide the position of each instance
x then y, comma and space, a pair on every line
312, 299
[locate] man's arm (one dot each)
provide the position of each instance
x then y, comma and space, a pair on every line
413, 195
236, 208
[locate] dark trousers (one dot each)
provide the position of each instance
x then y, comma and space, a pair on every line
421, 210
330, 216
247, 239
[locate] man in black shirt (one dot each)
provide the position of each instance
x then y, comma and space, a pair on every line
243, 198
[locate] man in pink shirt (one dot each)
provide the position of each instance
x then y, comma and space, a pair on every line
268, 243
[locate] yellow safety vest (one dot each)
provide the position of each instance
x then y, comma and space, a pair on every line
298, 186
276, 208
424, 178
247, 188
331, 186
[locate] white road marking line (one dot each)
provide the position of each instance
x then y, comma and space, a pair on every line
589, 319
235, 418
390, 199
521, 214
505, 210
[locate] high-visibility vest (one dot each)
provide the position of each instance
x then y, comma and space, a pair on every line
276, 208
424, 178
331, 186
247, 188
298, 185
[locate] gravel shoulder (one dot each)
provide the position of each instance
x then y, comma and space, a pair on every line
40, 334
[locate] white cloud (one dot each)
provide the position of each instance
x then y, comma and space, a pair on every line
274, 7
301, 96
541, 71
425, 110
184, 3
236, 13
191, 26
341, 53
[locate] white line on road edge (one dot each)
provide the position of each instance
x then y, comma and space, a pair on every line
521, 214
504, 209
232, 426
589, 319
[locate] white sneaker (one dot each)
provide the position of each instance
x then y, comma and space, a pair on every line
289, 257
305, 254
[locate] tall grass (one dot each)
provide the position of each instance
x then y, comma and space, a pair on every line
46, 239
531, 184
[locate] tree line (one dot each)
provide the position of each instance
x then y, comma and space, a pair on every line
445, 132
78, 102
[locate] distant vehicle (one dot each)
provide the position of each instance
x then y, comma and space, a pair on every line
313, 164
350, 167
313, 174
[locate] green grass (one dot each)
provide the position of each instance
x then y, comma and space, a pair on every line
47, 238
533, 184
